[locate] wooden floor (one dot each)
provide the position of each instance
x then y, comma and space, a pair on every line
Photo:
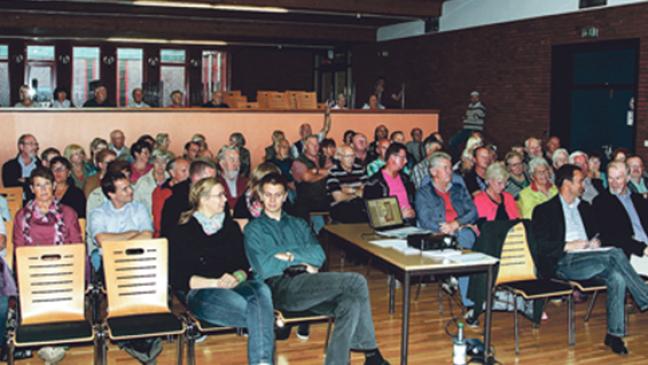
428, 341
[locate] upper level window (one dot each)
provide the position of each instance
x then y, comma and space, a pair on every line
592, 3
214, 73
173, 74
5, 91
85, 70
129, 73
40, 73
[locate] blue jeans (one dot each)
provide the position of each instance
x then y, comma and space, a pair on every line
4, 308
248, 305
466, 238
344, 295
614, 269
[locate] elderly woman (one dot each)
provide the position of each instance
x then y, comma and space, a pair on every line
238, 140
81, 168
518, 178
65, 191
559, 158
540, 190
494, 203
141, 152
143, 189
43, 220
208, 267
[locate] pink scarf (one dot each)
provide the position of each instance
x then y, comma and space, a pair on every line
34, 215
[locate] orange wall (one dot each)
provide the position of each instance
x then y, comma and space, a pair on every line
60, 128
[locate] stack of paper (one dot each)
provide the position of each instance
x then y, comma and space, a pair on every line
441, 253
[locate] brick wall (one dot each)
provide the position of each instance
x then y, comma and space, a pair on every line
510, 64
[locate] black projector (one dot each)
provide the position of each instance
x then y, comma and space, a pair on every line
427, 242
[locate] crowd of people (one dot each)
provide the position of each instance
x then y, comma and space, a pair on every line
235, 277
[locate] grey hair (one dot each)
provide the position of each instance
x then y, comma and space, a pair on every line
575, 154
161, 155
497, 171
554, 156
528, 140
537, 162
225, 149
438, 156
339, 151
618, 165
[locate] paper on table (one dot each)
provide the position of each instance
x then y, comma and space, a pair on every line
407, 250
441, 253
388, 243
471, 258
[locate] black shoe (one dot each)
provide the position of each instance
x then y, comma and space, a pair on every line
303, 331
616, 344
282, 333
374, 358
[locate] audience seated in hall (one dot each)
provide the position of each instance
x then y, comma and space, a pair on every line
305, 131
559, 158
177, 99
216, 101
270, 150
100, 99
138, 99
380, 132
64, 189
565, 224
532, 149
26, 98
230, 176
283, 160
373, 103
208, 269
552, 144
621, 215
276, 241
97, 197
360, 149
97, 145
345, 186
347, 137
310, 172
16, 171
421, 169
444, 206
237, 140
102, 159
141, 153
178, 202
340, 102
47, 155
494, 203
518, 178
391, 180
61, 99
415, 146
178, 170
204, 152
374, 166
249, 205
476, 177
162, 143
144, 187
328, 148
540, 190
638, 182
592, 186
191, 151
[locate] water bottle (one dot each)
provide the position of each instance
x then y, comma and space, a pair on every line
459, 347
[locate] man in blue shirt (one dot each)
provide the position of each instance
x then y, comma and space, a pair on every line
283, 252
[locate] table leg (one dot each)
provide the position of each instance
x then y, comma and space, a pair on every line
490, 359
405, 324
392, 294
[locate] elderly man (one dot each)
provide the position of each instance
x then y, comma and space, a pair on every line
178, 202
178, 170
360, 146
234, 183
421, 170
276, 242
345, 186
638, 182
118, 145
622, 215
138, 99
532, 148
391, 180
377, 164
145, 185
592, 187
414, 147
100, 99
444, 206
217, 101
305, 130
476, 177
565, 231
16, 171
310, 172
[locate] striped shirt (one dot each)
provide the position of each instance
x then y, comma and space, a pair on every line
475, 115
339, 178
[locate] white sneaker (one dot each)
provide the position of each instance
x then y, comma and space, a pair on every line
51, 355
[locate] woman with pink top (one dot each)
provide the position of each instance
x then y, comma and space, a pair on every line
494, 203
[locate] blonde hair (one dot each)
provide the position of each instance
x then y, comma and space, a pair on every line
198, 191
497, 171
472, 143
71, 149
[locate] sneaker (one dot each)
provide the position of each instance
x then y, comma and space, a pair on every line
51, 355
201, 339
450, 285
471, 320
303, 331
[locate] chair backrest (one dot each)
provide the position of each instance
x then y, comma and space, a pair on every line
136, 276
516, 262
51, 283
306, 100
82, 225
9, 251
277, 100
14, 198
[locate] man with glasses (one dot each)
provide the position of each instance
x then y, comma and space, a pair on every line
16, 171
345, 185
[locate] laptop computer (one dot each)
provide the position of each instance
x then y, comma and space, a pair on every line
386, 219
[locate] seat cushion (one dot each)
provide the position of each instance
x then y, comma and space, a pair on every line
143, 325
78, 331
539, 288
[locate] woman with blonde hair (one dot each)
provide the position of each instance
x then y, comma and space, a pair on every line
209, 271
81, 168
467, 160
494, 203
